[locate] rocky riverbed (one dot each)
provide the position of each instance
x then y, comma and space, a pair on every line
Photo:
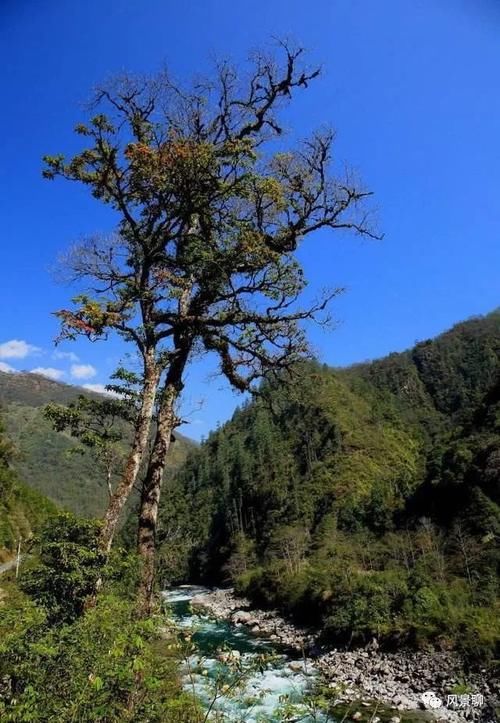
364, 676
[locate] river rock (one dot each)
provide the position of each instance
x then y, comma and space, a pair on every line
395, 679
241, 616
402, 702
198, 600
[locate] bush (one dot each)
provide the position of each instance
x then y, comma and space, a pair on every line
68, 569
104, 667
447, 615
61, 660
365, 606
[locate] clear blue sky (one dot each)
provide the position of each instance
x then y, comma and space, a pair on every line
412, 87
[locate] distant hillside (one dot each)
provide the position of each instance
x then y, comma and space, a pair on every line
363, 499
43, 462
34, 390
443, 378
22, 510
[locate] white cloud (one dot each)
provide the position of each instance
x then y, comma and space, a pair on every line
83, 371
16, 349
6, 368
48, 372
69, 355
99, 389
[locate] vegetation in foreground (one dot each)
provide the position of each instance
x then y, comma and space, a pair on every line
61, 659
62, 662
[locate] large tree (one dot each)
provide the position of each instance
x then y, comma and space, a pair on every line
211, 210
120, 272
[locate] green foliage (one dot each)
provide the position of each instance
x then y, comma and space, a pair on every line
79, 484
63, 660
22, 510
92, 421
366, 500
70, 564
365, 607
105, 667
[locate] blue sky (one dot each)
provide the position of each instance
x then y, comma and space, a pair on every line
411, 87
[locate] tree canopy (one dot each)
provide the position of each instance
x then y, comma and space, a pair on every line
210, 210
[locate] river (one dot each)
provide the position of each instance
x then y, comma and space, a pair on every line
252, 680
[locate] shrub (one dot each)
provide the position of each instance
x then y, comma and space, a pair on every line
104, 667
366, 606
69, 566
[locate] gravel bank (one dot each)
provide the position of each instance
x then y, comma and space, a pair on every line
363, 676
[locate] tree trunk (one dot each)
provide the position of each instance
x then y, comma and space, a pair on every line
150, 500
141, 436
151, 490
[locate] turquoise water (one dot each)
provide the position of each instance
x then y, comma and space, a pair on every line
261, 685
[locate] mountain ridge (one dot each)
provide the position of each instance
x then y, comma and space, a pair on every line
44, 462
366, 498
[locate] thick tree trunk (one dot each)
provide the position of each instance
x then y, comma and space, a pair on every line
151, 491
141, 435
150, 500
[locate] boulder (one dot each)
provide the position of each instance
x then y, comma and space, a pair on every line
199, 599
241, 616
402, 702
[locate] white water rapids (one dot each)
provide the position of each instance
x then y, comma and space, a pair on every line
261, 695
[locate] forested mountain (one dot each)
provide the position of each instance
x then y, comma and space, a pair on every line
43, 460
22, 510
365, 499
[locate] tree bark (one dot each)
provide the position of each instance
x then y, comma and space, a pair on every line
151, 490
150, 501
141, 435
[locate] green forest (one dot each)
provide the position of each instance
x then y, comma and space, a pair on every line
364, 499
22, 509
23, 398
